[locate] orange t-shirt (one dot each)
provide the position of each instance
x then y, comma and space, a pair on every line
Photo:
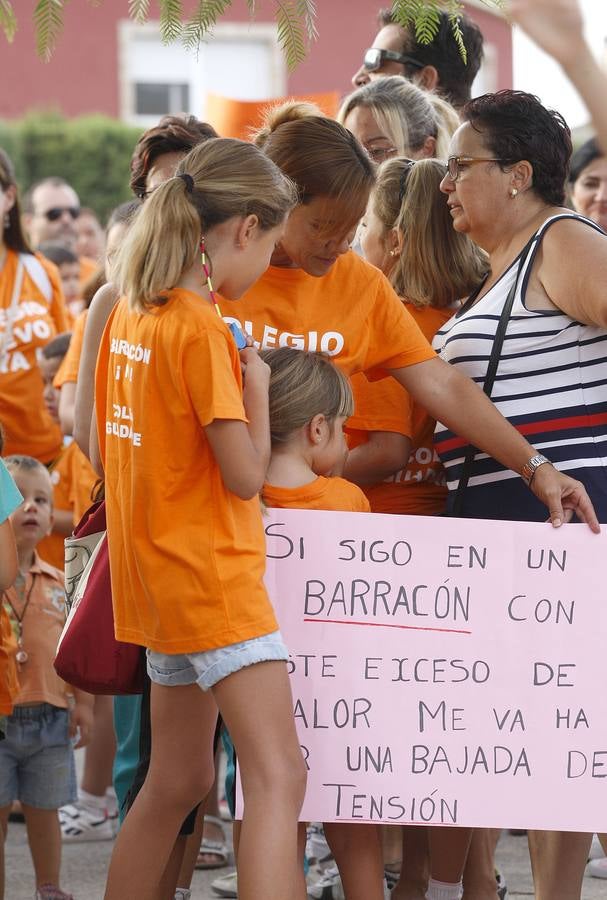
187, 556
68, 370
28, 426
352, 314
419, 488
42, 623
73, 480
322, 493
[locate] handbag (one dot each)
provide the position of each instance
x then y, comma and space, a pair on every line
88, 655
496, 352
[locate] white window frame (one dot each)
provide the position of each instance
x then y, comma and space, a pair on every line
228, 32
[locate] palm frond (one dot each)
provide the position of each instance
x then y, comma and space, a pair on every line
139, 10
306, 10
203, 21
170, 20
48, 21
290, 33
8, 20
458, 36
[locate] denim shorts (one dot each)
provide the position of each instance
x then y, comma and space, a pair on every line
210, 666
37, 759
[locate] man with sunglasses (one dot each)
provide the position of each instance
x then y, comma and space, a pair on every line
435, 67
51, 208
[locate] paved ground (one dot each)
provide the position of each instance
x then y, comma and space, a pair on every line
84, 869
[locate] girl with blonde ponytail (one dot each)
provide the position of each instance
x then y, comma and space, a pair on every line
185, 447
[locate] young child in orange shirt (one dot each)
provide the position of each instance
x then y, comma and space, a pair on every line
10, 498
185, 447
36, 759
310, 400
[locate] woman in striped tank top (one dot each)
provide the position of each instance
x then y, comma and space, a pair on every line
505, 189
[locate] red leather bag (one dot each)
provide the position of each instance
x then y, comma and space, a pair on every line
88, 655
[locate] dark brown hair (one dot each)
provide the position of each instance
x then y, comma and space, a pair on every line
14, 236
173, 134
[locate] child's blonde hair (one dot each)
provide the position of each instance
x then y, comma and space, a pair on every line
304, 385
437, 265
226, 178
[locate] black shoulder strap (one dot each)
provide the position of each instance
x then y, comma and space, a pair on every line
494, 359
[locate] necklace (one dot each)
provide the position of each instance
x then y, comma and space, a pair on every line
21, 655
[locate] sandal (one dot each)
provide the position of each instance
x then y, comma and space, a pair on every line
217, 849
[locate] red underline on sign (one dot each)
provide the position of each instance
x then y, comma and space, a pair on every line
388, 625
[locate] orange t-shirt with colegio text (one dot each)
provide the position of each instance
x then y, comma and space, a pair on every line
352, 314
187, 556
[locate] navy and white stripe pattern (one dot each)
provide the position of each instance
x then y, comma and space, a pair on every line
551, 384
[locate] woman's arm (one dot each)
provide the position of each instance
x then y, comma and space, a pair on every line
242, 450
383, 454
458, 403
557, 27
573, 271
99, 311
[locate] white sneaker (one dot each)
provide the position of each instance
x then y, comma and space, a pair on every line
328, 886
183, 894
597, 868
80, 822
226, 885
596, 849
317, 849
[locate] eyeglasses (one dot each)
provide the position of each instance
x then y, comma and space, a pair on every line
380, 154
375, 58
55, 212
455, 164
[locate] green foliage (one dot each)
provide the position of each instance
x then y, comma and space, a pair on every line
295, 20
48, 18
8, 19
424, 15
92, 153
202, 21
290, 32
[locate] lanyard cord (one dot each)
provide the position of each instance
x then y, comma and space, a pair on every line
207, 272
20, 618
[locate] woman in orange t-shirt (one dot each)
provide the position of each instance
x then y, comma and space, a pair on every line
32, 311
407, 233
185, 449
319, 295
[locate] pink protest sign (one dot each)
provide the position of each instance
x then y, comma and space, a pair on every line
445, 671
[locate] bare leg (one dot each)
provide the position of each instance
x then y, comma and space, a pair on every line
358, 853
603, 840
415, 870
192, 847
170, 877
448, 852
479, 873
257, 707
558, 859
180, 775
4, 813
44, 837
99, 754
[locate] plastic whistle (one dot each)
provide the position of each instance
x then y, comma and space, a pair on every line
238, 335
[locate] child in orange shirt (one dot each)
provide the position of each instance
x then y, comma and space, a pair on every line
72, 475
36, 759
185, 446
310, 399
10, 499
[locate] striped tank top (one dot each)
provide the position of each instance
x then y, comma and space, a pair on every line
551, 384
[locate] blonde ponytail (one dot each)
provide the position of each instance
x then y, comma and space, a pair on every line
226, 178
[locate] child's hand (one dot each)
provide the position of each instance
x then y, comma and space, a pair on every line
253, 365
81, 719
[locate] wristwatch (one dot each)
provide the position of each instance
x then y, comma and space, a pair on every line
531, 466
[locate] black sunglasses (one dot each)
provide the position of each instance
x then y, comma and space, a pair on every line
55, 212
375, 58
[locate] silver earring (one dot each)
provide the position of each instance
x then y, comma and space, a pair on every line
513, 193
393, 252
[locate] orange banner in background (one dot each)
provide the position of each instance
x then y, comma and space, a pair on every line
238, 118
